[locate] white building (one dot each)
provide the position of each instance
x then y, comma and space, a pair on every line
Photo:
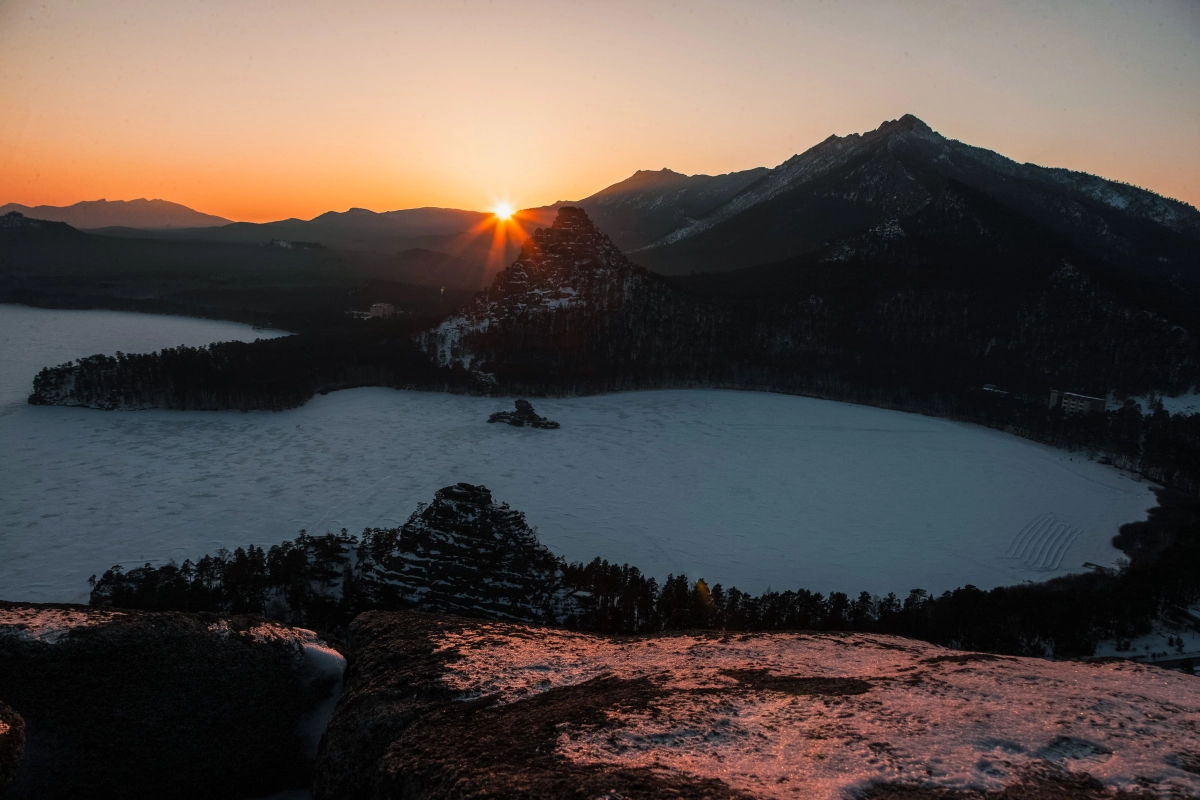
1076, 403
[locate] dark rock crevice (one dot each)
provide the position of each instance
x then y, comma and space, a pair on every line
141, 704
12, 745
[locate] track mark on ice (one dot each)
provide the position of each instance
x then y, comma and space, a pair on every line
1042, 544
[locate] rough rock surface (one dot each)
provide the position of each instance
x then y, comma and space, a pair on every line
440, 707
142, 704
524, 415
465, 553
12, 745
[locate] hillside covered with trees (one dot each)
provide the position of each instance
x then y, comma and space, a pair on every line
324, 581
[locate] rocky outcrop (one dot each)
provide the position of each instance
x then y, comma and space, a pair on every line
139, 704
464, 553
524, 415
574, 313
12, 745
441, 707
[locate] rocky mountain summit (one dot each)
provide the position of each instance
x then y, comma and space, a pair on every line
441, 707
122, 703
523, 415
848, 184
568, 265
571, 308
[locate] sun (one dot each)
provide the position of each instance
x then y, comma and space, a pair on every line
503, 211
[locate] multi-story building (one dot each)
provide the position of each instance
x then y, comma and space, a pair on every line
1072, 403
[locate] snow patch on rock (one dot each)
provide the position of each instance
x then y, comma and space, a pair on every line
928, 715
49, 625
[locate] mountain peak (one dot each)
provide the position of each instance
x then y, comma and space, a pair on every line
573, 218
643, 180
908, 122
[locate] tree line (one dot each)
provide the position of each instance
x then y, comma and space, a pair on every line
312, 581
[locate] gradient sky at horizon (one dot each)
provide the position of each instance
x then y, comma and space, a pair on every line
267, 110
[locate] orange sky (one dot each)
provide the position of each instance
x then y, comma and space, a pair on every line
269, 109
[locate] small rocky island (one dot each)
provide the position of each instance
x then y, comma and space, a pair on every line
524, 415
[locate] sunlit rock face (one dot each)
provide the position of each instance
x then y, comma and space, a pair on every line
144, 704
441, 707
12, 745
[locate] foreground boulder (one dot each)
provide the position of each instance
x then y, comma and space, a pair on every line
140, 704
442, 707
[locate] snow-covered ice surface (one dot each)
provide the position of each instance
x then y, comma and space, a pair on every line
928, 715
745, 489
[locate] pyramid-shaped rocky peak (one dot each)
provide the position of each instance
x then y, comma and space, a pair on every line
906, 123
558, 265
572, 233
465, 553
568, 279
572, 218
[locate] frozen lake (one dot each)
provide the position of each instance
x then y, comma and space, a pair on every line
745, 489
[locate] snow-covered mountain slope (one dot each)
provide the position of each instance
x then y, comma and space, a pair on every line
848, 184
817, 161
444, 707
649, 204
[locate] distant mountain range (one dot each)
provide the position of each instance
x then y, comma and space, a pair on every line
899, 192
679, 224
141, 213
444, 229
52, 264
